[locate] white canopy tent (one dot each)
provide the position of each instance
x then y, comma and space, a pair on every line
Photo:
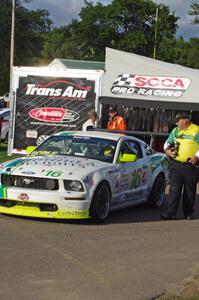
136, 80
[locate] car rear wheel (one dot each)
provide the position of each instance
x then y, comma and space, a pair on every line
100, 206
157, 196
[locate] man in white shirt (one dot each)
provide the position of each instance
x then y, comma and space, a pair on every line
91, 122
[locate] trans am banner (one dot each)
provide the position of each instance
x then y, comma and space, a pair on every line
46, 105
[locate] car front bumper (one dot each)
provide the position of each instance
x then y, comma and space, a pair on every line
40, 204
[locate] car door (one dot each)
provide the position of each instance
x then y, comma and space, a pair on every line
139, 172
133, 176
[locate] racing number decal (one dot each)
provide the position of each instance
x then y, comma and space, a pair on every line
137, 178
54, 173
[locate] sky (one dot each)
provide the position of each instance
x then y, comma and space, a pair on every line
62, 12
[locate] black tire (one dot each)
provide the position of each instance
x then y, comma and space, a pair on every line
157, 196
100, 205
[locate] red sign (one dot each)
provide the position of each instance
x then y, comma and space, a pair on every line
54, 114
48, 114
161, 82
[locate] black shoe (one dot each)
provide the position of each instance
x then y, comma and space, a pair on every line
168, 217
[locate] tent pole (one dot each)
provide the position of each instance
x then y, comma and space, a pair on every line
12, 46
156, 31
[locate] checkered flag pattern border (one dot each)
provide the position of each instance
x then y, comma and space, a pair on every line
124, 79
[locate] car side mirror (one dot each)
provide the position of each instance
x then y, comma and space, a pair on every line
126, 157
149, 151
30, 149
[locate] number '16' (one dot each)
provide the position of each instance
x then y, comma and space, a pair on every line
136, 178
54, 173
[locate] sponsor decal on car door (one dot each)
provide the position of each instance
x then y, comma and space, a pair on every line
133, 176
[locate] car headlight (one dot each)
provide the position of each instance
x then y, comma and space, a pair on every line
7, 180
73, 185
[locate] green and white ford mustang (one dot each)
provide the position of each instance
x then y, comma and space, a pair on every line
81, 175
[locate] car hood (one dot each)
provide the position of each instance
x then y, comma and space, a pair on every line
40, 166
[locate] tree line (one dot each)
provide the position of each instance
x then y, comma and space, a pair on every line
127, 25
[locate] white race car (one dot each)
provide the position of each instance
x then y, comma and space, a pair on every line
77, 175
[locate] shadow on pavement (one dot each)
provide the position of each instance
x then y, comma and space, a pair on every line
133, 214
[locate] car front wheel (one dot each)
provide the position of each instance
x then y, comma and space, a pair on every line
100, 206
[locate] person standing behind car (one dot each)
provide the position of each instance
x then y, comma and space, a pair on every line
91, 122
116, 122
182, 147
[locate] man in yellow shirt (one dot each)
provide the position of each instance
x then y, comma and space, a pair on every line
182, 146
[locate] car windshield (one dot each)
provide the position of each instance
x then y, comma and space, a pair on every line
78, 146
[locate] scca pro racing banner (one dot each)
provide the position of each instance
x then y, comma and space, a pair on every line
128, 84
46, 105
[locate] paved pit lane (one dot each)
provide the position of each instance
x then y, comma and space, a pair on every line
133, 256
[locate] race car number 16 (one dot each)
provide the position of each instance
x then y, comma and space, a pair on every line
137, 176
54, 173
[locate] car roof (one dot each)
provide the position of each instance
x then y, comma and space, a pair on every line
99, 134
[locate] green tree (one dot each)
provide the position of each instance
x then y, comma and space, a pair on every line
30, 30
61, 43
124, 24
194, 11
167, 49
179, 51
192, 53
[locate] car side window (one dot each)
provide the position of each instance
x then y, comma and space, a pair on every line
131, 147
125, 148
136, 148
